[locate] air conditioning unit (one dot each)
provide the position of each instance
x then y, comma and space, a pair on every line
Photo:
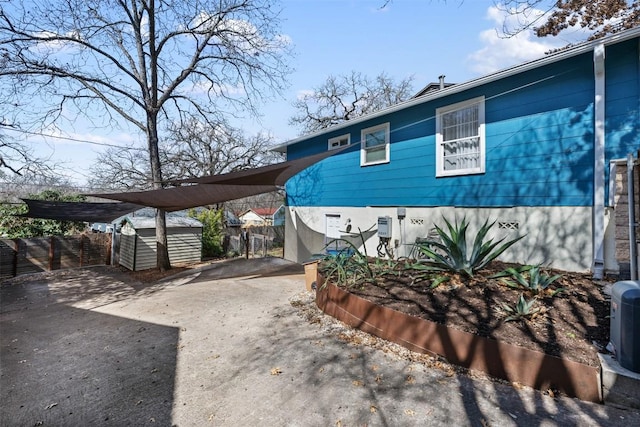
625, 323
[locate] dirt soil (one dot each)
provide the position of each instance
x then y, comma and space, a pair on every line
573, 325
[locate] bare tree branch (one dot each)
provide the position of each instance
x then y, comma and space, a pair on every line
142, 60
343, 98
551, 17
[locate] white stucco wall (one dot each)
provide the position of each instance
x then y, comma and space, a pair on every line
560, 237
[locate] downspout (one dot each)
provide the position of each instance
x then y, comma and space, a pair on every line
598, 162
633, 264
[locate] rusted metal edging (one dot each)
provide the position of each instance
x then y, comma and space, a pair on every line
498, 359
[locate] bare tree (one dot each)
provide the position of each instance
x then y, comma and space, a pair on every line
14, 187
191, 150
144, 61
342, 98
122, 168
550, 17
19, 159
198, 149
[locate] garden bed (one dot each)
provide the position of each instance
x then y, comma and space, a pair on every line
463, 319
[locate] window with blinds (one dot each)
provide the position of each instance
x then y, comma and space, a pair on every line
460, 138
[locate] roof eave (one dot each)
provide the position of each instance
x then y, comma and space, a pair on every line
507, 72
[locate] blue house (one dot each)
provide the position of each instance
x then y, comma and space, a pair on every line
529, 147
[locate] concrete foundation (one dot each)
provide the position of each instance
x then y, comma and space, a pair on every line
620, 386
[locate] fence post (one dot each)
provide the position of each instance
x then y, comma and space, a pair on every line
264, 246
16, 251
81, 248
246, 243
51, 252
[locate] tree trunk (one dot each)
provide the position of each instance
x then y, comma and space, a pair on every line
161, 241
162, 250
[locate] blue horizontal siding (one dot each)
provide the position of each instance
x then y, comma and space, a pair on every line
539, 144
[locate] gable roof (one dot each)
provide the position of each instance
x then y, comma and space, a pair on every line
265, 211
461, 87
261, 212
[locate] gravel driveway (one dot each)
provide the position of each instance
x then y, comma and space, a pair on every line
237, 343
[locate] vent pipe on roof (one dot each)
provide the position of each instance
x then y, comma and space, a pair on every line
441, 78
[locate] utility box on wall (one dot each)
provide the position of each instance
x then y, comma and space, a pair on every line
625, 323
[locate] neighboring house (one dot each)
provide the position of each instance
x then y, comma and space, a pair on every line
529, 147
230, 220
257, 217
279, 216
138, 241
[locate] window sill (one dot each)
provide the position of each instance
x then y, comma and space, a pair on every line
445, 174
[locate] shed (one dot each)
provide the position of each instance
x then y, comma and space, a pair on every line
138, 241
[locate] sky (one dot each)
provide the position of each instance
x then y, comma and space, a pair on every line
419, 38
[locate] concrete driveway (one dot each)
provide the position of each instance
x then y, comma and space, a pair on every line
225, 346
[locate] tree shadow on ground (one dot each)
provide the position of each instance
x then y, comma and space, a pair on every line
67, 366
414, 391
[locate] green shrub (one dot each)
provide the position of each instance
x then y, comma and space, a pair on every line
13, 226
530, 278
212, 231
450, 252
522, 310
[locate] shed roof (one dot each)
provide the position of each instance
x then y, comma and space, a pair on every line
143, 222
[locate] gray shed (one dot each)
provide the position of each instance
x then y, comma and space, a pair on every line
138, 241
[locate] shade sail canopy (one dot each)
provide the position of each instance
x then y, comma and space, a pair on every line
219, 188
78, 211
277, 174
179, 198
189, 193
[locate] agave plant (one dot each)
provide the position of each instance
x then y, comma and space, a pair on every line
530, 278
451, 252
522, 310
348, 266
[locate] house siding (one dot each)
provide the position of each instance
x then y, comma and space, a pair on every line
622, 127
539, 164
539, 150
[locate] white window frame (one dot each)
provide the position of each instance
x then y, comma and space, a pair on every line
335, 143
363, 150
440, 143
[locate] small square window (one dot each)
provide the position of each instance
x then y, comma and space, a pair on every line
460, 139
375, 145
339, 141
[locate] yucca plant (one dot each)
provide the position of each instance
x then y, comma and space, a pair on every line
452, 254
522, 310
530, 278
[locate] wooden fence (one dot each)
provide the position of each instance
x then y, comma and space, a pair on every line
34, 255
